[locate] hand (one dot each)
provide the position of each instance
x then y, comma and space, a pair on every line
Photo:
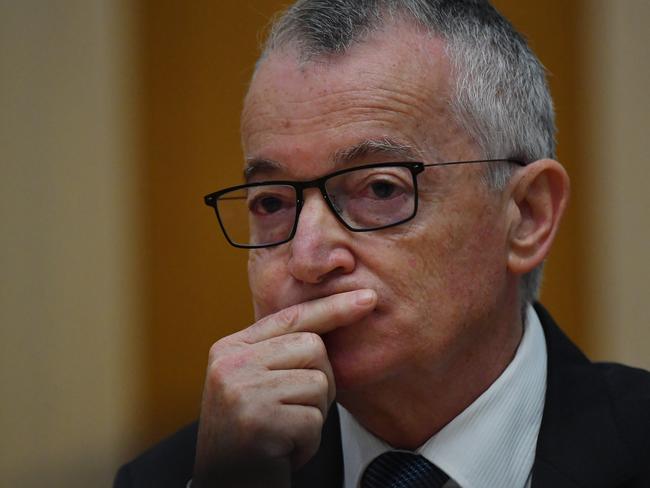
267, 392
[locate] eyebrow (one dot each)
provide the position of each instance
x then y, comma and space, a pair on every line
259, 165
375, 147
369, 147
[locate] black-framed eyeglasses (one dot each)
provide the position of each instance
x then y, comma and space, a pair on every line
362, 198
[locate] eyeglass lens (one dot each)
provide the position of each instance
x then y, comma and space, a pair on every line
364, 199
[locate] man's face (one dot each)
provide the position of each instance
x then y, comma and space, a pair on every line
440, 278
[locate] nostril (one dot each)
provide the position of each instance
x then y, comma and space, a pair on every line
321, 259
339, 270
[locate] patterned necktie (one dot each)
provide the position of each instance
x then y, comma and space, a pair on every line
398, 469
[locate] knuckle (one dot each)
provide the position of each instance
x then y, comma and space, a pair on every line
310, 435
216, 379
231, 397
314, 424
230, 359
320, 379
315, 344
215, 350
317, 420
290, 317
313, 341
226, 377
222, 367
219, 348
310, 420
248, 421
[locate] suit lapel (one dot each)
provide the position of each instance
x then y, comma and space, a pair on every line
578, 443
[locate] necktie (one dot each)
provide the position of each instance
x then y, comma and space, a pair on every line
398, 469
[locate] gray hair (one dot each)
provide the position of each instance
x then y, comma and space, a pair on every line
501, 96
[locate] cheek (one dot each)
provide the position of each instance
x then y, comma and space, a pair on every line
471, 261
265, 278
450, 262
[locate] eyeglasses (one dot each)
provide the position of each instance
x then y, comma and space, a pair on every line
363, 198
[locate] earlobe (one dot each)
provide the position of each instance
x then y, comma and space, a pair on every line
539, 195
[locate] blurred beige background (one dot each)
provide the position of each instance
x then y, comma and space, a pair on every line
117, 116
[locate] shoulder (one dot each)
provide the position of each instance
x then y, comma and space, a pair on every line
621, 391
168, 463
629, 399
626, 382
596, 420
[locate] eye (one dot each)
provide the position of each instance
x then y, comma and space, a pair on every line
383, 184
383, 189
270, 204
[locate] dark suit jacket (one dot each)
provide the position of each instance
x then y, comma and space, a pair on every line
595, 431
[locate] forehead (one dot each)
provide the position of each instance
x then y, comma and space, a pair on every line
394, 86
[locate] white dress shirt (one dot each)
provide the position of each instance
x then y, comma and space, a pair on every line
492, 442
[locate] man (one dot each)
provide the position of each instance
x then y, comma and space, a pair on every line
401, 196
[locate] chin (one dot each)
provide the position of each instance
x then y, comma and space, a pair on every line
356, 361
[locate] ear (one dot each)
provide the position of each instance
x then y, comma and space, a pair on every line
539, 193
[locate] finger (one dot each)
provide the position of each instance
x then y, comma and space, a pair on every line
319, 316
308, 387
303, 425
298, 350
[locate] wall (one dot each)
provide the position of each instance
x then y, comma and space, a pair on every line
117, 117
68, 292
196, 59
618, 155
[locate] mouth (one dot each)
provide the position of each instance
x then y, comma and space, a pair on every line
317, 292
352, 331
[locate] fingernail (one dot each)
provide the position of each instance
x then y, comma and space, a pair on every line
366, 297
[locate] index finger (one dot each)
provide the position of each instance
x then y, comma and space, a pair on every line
318, 316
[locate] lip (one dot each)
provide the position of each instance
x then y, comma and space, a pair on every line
346, 340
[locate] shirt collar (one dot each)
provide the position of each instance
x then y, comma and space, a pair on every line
490, 443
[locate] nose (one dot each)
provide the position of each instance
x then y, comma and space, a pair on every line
320, 248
